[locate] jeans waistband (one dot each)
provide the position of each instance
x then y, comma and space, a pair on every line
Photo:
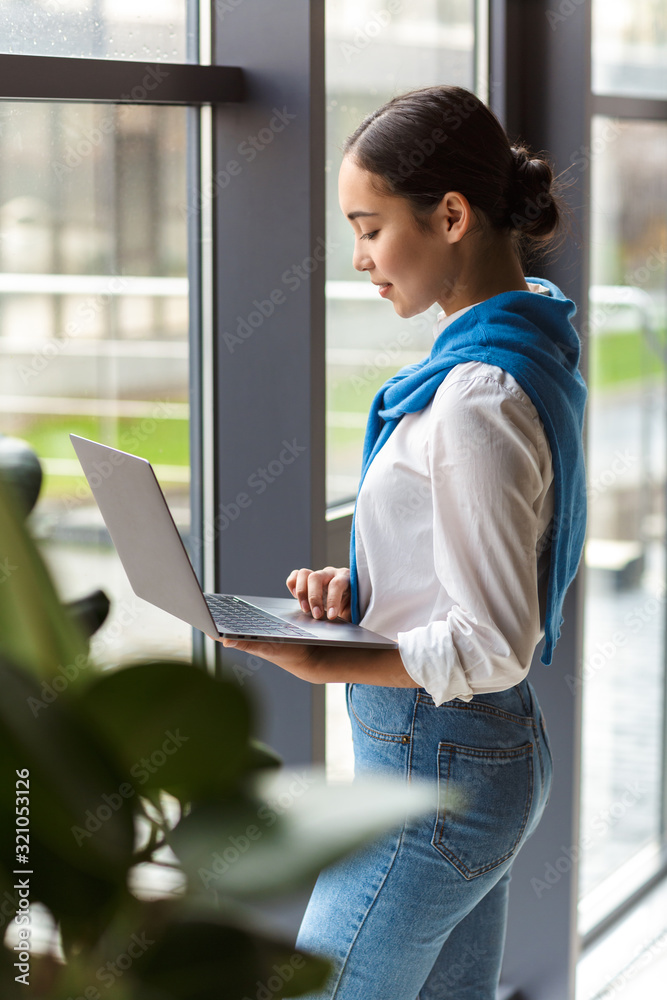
519, 700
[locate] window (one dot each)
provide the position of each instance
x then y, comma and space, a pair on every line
624, 654
374, 50
94, 325
630, 48
97, 275
106, 29
624, 761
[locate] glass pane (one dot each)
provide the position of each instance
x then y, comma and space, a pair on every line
104, 29
94, 327
624, 654
630, 47
374, 50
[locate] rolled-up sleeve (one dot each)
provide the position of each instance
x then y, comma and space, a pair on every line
491, 478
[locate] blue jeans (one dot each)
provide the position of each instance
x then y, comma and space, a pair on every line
421, 913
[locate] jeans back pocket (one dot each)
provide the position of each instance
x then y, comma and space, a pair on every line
484, 801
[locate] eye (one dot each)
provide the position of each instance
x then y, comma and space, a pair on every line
369, 236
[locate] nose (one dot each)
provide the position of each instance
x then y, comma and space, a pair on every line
361, 259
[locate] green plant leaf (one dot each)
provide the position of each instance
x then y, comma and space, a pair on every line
35, 631
260, 756
173, 726
298, 824
81, 828
197, 959
214, 835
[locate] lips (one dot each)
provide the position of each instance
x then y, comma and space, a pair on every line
383, 287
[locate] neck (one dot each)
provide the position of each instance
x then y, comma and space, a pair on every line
493, 269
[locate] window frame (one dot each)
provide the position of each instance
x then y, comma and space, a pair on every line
651, 109
226, 102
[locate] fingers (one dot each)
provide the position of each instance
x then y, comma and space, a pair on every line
338, 595
291, 582
320, 592
298, 585
265, 650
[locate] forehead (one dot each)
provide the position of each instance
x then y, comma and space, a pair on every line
357, 188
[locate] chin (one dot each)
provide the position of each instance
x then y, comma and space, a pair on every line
404, 311
408, 309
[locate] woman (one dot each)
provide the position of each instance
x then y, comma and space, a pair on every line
468, 529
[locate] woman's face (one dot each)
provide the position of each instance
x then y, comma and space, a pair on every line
412, 268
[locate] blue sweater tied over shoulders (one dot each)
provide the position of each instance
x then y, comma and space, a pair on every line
529, 335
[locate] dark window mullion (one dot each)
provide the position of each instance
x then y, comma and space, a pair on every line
51, 78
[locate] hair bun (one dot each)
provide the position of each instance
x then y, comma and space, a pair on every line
533, 211
521, 158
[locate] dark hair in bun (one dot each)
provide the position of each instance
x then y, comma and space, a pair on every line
534, 211
438, 139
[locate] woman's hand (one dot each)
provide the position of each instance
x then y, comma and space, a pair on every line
303, 661
319, 592
322, 592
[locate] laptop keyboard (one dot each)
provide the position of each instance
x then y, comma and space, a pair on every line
231, 614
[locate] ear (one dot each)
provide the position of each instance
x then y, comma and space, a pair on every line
455, 216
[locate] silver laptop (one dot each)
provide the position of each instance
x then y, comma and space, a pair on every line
151, 550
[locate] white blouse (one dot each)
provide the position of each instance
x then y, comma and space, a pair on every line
449, 524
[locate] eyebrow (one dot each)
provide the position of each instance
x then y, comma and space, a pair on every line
355, 215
